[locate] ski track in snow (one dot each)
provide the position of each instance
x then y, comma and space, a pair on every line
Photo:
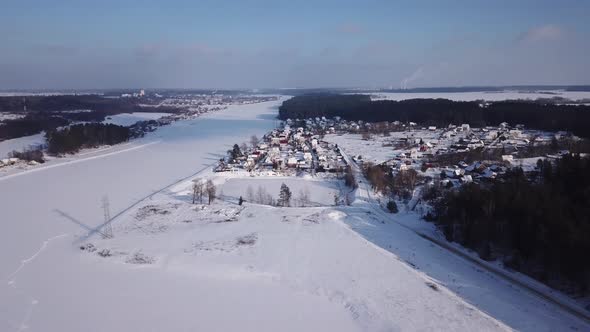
12, 282
23, 325
24, 262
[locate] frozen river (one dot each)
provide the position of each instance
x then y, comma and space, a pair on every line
27, 202
46, 285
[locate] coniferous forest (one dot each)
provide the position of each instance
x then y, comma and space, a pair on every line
46, 113
73, 138
442, 112
541, 226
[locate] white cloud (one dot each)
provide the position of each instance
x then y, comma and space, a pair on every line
549, 32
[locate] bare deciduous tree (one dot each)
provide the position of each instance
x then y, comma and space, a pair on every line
347, 200
260, 195
198, 190
254, 141
250, 194
211, 189
244, 147
407, 179
303, 197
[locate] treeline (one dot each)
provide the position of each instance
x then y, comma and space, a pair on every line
60, 103
44, 113
73, 138
400, 185
441, 112
539, 226
34, 154
30, 125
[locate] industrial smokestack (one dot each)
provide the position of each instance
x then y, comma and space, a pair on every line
415, 75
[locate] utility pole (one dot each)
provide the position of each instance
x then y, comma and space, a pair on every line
108, 228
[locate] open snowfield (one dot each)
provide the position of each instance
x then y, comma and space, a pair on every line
20, 144
174, 266
370, 150
287, 258
487, 96
128, 119
320, 192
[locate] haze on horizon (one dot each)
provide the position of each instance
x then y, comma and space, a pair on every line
271, 44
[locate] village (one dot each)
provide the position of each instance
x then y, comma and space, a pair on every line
285, 151
453, 155
193, 104
449, 154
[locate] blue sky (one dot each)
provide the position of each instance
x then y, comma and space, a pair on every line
248, 44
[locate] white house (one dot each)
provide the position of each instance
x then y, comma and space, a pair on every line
466, 179
292, 162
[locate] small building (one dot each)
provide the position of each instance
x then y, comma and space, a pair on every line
466, 179
292, 162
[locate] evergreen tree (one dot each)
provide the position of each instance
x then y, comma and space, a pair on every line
392, 206
235, 152
284, 195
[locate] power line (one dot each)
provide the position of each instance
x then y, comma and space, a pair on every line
108, 228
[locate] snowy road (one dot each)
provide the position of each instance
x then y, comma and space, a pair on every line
515, 303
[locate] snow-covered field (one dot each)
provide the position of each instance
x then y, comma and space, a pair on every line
128, 119
488, 96
373, 150
319, 192
370, 150
282, 257
21, 143
11, 116
174, 266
